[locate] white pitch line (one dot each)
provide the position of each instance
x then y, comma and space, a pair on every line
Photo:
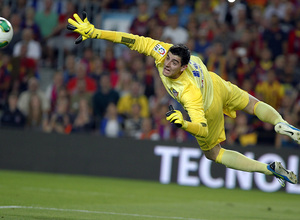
96, 212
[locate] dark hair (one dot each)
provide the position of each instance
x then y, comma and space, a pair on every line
182, 51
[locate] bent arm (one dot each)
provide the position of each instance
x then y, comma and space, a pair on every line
193, 104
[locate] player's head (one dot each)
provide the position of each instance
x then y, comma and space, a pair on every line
176, 61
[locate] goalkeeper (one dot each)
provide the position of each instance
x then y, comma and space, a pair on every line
203, 94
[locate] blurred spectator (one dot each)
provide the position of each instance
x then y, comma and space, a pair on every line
133, 122
103, 96
136, 96
239, 19
257, 18
23, 68
5, 78
287, 106
121, 68
97, 69
109, 60
217, 32
216, 60
155, 31
79, 94
294, 39
60, 120
29, 22
150, 73
137, 68
124, 83
244, 45
279, 65
19, 7
164, 128
53, 88
202, 10
81, 74
111, 124
241, 63
275, 7
139, 23
6, 11
87, 58
233, 13
192, 27
270, 91
177, 34
160, 14
34, 50
159, 99
263, 65
266, 135
70, 68
35, 113
83, 120
12, 116
183, 9
148, 132
290, 76
202, 43
248, 86
288, 21
274, 38
47, 20
242, 132
24, 99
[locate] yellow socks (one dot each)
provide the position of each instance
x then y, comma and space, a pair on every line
267, 113
238, 161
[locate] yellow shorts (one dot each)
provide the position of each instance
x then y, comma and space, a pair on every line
228, 98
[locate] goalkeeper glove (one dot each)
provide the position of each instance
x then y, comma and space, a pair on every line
84, 28
175, 117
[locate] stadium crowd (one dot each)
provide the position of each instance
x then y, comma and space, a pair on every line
117, 92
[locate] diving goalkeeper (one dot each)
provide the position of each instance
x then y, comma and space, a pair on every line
203, 94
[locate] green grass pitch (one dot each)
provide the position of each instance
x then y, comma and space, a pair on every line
29, 195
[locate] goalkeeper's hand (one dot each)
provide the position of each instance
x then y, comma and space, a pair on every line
82, 27
175, 116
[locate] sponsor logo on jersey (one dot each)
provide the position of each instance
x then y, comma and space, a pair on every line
127, 40
160, 50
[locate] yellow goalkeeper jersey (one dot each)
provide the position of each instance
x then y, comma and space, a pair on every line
193, 89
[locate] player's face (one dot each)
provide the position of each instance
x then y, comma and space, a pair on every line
172, 66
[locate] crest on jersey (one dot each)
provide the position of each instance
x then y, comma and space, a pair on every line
160, 50
174, 92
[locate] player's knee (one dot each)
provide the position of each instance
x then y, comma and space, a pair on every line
210, 155
250, 107
214, 153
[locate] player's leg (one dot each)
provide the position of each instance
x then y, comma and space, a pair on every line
235, 160
267, 113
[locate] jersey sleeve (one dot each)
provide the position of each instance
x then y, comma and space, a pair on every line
145, 45
192, 101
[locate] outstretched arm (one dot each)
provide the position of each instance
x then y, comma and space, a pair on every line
144, 45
